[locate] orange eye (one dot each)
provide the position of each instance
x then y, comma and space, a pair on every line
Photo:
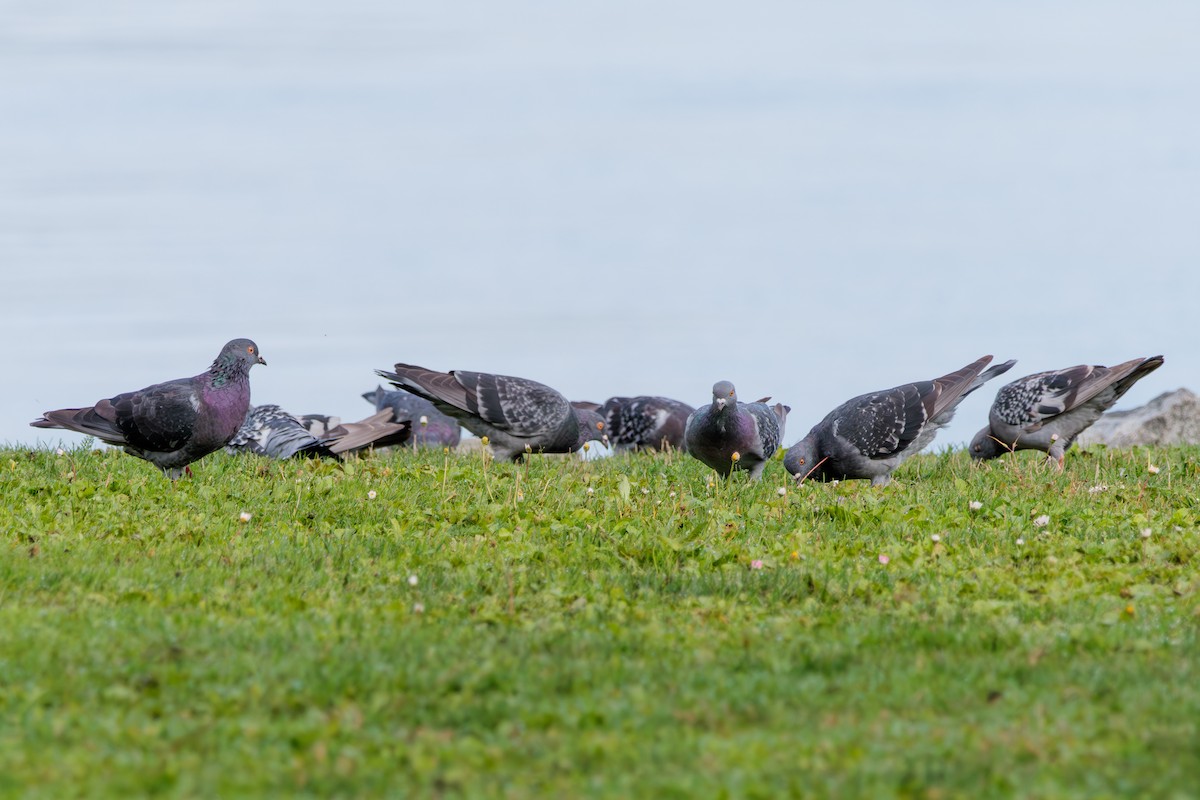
249, 349
599, 426
802, 461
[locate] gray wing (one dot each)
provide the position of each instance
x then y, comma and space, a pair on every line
882, 424
517, 406
1032, 401
270, 431
770, 421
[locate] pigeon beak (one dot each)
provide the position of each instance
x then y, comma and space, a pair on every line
262, 361
720, 402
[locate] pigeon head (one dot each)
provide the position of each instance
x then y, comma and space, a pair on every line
801, 459
985, 446
591, 427
724, 394
234, 362
374, 396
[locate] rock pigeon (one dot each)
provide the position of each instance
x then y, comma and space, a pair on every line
517, 415
268, 430
431, 428
175, 423
1048, 410
870, 435
728, 435
643, 422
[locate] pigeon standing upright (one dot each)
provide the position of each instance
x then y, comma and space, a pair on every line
643, 422
174, 423
728, 435
1047, 410
431, 428
872, 434
268, 430
517, 415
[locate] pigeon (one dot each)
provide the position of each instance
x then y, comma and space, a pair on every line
872, 434
1046, 411
175, 423
431, 428
643, 422
268, 430
729, 435
516, 415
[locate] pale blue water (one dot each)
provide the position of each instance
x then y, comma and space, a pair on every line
811, 201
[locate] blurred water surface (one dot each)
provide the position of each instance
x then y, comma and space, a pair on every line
810, 200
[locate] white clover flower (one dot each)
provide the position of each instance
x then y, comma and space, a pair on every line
936, 538
424, 420
781, 491
1146, 533
1042, 521
418, 608
244, 516
1097, 489
60, 452
974, 505
371, 495
1153, 470
1020, 542
590, 490
672, 494
412, 580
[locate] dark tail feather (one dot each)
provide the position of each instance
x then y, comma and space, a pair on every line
1140, 371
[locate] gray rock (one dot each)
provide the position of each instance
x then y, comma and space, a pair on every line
1170, 418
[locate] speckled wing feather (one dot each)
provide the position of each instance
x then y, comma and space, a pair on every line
270, 431
881, 424
1029, 403
518, 406
770, 422
643, 421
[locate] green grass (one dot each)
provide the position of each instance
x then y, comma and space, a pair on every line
598, 629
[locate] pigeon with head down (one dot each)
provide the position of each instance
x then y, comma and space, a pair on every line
174, 423
517, 415
1048, 410
729, 435
644, 422
872, 434
270, 431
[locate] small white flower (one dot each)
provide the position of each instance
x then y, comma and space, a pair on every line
1097, 489
1020, 542
590, 490
1145, 533
936, 538
371, 495
1042, 521
424, 420
244, 516
418, 608
781, 491
1153, 470
671, 495
412, 580
834, 482
645, 491
974, 505
60, 452
1054, 437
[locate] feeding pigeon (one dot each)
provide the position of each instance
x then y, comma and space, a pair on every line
870, 435
516, 414
268, 430
728, 435
1048, 410
643, 422
175, 423
431, 428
